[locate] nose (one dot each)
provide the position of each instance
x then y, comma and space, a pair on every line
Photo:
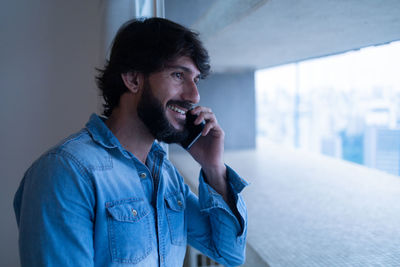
191, 93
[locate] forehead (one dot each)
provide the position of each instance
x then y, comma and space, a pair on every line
184, 63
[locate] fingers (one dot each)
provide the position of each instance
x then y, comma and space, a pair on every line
206, 114
210, 126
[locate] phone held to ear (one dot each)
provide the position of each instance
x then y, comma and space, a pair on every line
194, 130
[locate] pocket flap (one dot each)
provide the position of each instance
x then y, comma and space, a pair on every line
175, 202
129, 210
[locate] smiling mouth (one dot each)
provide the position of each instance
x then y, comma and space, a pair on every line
177, 109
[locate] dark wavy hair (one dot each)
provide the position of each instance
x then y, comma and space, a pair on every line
146, 46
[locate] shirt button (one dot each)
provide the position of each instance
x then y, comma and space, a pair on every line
143, 175
179, 203
134, 212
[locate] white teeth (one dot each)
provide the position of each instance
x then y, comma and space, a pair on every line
174, 108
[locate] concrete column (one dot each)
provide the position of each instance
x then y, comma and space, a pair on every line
231, 96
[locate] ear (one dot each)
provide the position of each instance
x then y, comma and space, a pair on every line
132, 80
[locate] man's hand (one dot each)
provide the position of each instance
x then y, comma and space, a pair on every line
208, 150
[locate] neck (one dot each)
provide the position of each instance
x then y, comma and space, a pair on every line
131, 133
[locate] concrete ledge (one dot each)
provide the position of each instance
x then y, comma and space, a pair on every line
311, 210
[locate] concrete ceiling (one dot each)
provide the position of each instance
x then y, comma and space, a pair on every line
254, 34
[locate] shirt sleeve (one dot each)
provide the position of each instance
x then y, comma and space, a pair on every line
54, 209
213, 228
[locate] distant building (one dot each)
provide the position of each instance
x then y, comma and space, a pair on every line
382, 149
352, 147
331, 146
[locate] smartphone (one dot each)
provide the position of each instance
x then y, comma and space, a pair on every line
194, 130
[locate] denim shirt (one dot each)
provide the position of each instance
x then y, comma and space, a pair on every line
90, 202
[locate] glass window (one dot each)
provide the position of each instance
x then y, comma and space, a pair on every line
345, 106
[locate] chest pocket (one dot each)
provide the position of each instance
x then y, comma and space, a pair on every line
129, 230
175, 211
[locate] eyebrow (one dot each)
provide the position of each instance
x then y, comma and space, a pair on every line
185, 69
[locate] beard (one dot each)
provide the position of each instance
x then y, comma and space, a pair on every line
152, 113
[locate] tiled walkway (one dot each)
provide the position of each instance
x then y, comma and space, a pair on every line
309, 210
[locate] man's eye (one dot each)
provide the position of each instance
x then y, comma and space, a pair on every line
178, 75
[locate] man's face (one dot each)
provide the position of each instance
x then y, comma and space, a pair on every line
166, 97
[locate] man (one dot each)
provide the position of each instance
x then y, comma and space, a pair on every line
107, 196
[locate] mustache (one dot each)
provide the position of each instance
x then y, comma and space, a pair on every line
184, 104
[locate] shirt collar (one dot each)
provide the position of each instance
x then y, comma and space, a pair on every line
103, 136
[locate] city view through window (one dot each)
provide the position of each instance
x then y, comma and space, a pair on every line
345, 106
